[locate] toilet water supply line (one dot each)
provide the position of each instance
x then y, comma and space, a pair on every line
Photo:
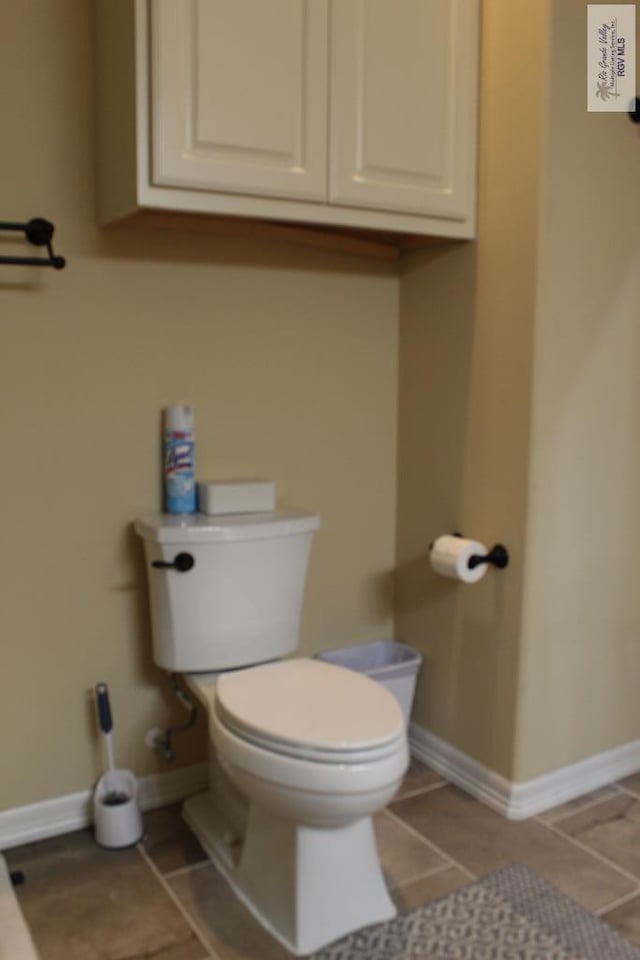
163, 739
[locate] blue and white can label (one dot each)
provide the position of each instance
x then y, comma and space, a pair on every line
179, 473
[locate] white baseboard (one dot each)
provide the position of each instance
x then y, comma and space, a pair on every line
75, 811
460, 768
517, 801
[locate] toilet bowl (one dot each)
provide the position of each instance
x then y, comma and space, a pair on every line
318, 743
316, 750
302, 752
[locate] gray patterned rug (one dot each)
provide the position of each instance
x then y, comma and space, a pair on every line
509, 915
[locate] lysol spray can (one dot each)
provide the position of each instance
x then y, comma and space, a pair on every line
179, 460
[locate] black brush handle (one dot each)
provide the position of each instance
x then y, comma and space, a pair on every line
104, 708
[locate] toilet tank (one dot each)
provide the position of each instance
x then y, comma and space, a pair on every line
241, 600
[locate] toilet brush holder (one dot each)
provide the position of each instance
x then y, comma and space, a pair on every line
116, 813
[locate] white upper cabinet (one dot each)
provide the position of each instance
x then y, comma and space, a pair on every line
239, 96
348, 113
403, 106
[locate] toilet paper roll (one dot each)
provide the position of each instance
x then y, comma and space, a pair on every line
450, 557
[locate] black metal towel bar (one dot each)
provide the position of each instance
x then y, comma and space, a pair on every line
39, 232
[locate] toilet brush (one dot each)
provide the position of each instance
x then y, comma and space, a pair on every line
114, 796
116, 813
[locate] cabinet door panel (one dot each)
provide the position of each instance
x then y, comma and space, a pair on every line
239, 94
404, 102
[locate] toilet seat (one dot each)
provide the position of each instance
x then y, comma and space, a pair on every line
311, 710
309, 736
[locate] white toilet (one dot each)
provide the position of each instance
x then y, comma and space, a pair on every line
302, 752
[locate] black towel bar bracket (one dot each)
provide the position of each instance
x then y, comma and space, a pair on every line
39, 232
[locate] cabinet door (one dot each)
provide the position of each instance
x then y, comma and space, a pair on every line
239, 96
404, 103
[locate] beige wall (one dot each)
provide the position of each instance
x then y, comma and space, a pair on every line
580, 679
288, 355
519, 418
467, 315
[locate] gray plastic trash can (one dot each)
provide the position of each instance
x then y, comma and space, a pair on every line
394, 665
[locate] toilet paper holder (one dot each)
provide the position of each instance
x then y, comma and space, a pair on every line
498, 556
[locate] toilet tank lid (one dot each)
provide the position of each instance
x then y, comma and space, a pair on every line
201, 528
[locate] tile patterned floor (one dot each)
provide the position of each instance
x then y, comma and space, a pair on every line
164, 900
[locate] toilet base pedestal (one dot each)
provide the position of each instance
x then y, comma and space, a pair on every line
216, 834
307, 885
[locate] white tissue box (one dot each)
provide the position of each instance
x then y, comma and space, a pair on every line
236, 496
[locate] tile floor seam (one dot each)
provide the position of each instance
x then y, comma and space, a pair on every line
210, 952
629, 793
586, 849
422, 876
419, 790
419, 836
179, 871
618, 902
580, 809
